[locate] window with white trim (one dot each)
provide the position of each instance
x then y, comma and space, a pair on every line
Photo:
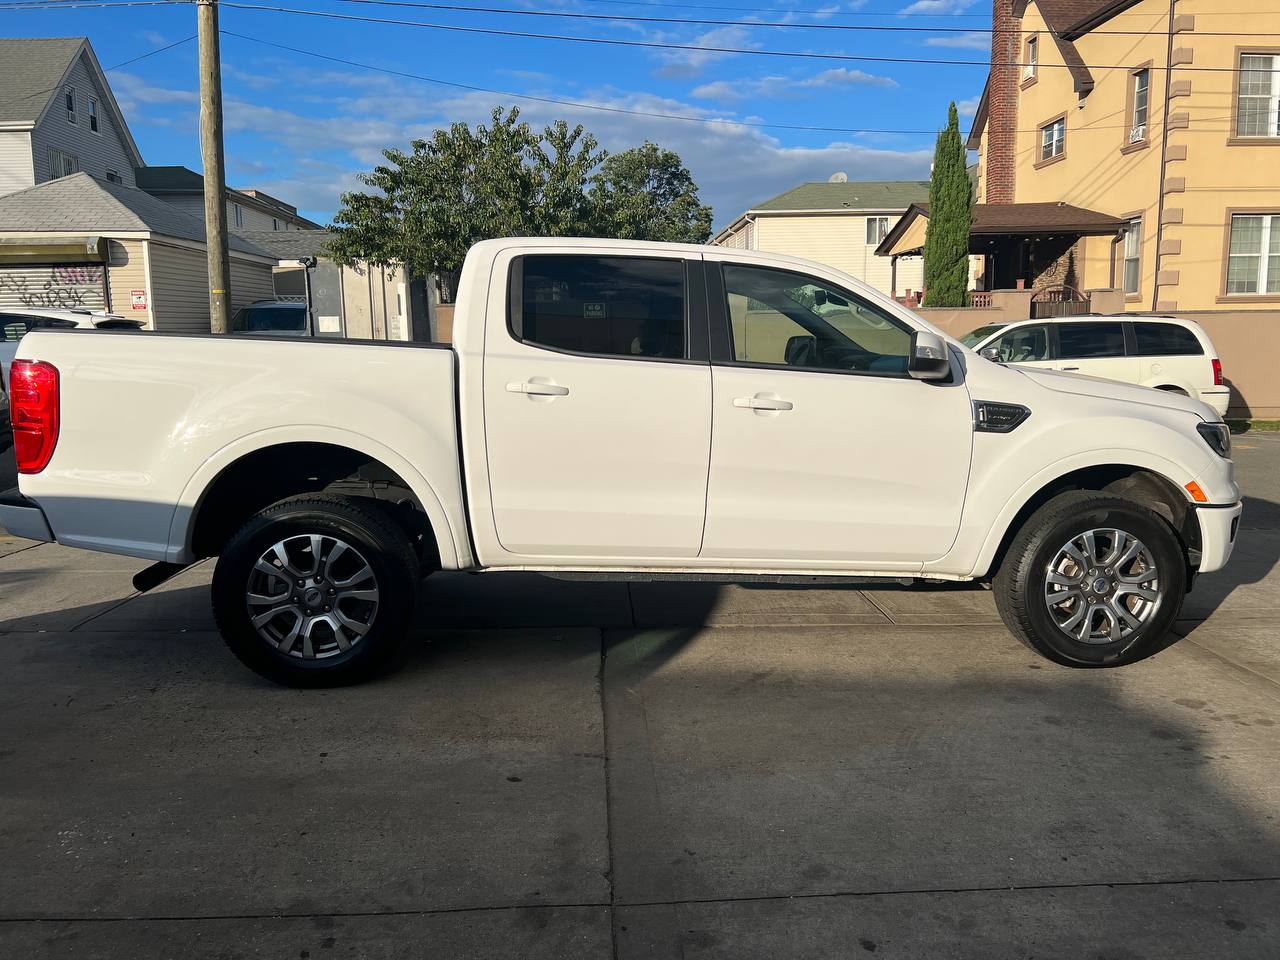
237, 215
1053, 138
1141, 102
69, 101
93, 115
61, 164
1032, 61
877, 227
1258, 102
1132, 255
113, 176
1253, 253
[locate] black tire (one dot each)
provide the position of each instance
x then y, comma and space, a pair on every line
1020, 585
381, 603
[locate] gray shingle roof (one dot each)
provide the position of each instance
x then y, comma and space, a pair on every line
81, 204
854, 195
166, 179
289, 244
30, 71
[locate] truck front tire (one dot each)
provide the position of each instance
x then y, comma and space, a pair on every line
316, 591
1092, 580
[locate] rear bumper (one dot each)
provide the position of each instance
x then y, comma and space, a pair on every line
22, 518
1217, 397
1218, 528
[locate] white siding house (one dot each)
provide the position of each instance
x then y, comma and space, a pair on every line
58, 116
839, 224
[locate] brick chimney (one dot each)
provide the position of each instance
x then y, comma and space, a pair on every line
1002, 102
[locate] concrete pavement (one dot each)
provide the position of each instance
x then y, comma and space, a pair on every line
654, 770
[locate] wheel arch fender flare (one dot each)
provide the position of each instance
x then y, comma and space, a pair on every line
448, 537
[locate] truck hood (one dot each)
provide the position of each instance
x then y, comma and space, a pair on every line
1086, 386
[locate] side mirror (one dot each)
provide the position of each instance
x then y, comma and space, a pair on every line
991, 353
801, 351
929, 358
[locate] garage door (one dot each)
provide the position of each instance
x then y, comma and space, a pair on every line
66, 286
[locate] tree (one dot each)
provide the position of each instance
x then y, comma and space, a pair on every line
946, 244
647, 193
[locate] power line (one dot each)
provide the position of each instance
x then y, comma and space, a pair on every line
688, 47
771, 24
579, 104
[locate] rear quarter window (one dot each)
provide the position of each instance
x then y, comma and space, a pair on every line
1165, 340
1083, 341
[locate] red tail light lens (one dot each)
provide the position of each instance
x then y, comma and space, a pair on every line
1217, 372
33, 408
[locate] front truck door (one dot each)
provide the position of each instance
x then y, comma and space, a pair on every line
597, 417
825, 452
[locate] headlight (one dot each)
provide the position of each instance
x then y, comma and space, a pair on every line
1217, 436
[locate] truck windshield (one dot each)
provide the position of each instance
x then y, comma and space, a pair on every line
975, 337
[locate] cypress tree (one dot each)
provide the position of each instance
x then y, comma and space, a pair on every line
946, 245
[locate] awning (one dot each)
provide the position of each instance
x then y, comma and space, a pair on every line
992, 220
53, 250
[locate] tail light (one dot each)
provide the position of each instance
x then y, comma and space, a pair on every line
1217, 372
33, 409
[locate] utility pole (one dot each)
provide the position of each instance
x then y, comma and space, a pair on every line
215, 175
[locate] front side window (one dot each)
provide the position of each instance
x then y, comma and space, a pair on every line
69, 100
877, 227
1253, 254
1085, 341
1132, 255
1023, 345
1141, 101
605, 306
1165, 340
785, 319
1053, 138
93, 115
1258, 102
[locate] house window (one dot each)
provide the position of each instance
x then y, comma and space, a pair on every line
1031, 63
1258, 103
69, 99
1132, 255
877, 227
1053, 136
237, 215
1253, 253
93, 115
1141, 98
61, 164
275, 224
113, 176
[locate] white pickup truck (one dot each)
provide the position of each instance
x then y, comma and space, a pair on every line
624, 409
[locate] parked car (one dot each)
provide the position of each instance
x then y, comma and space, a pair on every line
620, 409
277, 318
1167, 353
16, 324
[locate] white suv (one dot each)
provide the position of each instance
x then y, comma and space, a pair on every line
1167, 353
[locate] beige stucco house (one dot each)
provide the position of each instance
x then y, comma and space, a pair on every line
839, 224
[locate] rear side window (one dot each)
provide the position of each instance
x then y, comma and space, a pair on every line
14, 327
606, 306
1082, 341
1165, 340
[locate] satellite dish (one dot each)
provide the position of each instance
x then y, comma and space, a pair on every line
838, 177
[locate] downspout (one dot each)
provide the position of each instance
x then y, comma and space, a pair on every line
1115, 241
1164, 150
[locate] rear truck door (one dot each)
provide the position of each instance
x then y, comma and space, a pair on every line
597, 403
825, 452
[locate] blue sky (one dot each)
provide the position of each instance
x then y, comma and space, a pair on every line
301, 128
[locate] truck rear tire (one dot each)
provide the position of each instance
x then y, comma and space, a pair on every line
1092, 580
316, 591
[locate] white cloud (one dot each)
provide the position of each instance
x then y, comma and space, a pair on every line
773, 87
938, 6
968, 107
962, 41
154, 38
131, 90
686, 64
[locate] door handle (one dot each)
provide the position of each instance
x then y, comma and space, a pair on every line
537, 389
762, 403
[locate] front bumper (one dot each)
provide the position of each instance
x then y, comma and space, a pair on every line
1219, 525
22, 518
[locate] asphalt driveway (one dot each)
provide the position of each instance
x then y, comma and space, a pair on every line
652, 770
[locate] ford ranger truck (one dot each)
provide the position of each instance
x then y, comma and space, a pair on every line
617, 408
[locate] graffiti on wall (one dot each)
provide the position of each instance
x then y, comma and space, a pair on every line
64, 287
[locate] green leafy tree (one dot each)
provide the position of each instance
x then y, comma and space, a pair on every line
647, 193
946, 244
